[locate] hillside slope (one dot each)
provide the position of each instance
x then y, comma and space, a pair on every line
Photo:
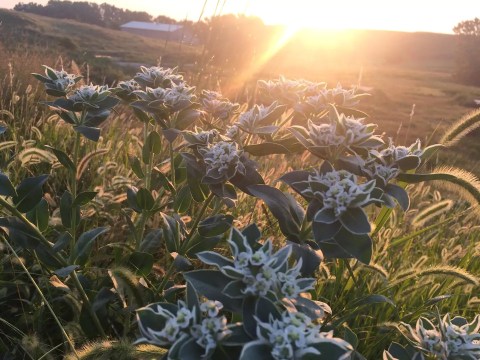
27, 30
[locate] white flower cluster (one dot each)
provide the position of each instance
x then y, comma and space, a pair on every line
249, 120
176, 97
218, 107
392, 153
64, 80
295, 335
339, 96
285, 90
129, 86
89, 94
262, 272
200, 137
452, 339
324, 134
222, 161
232, 131
158, 76
180, 96
347, 132
383, 165
338, 190
356, 131
213, 328
208, 332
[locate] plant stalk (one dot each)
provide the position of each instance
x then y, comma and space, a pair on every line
57, 257
47, 304
73, 186
197, 220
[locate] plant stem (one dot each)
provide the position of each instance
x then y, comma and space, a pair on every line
73, 187
172, 162
87, 303
167, 275
350, 271
47, 304
57, 257
140, 226
198, 218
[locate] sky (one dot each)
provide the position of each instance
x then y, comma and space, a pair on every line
401, 15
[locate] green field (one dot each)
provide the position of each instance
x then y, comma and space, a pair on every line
112, 199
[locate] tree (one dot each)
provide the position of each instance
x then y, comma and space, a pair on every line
468, 54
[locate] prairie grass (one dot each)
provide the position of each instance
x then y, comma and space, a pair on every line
425, 260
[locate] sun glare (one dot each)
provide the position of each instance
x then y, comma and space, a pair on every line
276, 45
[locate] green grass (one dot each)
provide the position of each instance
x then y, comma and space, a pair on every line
420, 268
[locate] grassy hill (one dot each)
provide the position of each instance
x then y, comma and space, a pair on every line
399, 69
86, 42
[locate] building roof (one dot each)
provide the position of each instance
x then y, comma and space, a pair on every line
140, 25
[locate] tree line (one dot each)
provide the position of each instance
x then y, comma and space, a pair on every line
105, 15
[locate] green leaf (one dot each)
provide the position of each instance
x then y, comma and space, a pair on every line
409, 162
210, 284
153, 145
234, 289
256, 350
325, 216
136, 167
200, 243
333, 349
91, 133
65, 271
145, 199
163, 180
212, 258
252, 233
66, 206
399, 352
191, 298
266, 309
350, 337
29, 193
371, 300
282, 207
183, 200
39, 215
190, 350
359, 246
181, 263
84, 198
6, 187
141, 263
63, 158
215, 225
84, 244
62, 242
313, 309
19, 233
152, 242
103, 297
237, 337
186, 117
324, 232
248, 315
311, 258
171, 233
429, 151
399, 194
356, 221
132, 199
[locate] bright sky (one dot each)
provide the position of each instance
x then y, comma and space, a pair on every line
403, 15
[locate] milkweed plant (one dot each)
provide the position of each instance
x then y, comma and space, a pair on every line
227, 291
